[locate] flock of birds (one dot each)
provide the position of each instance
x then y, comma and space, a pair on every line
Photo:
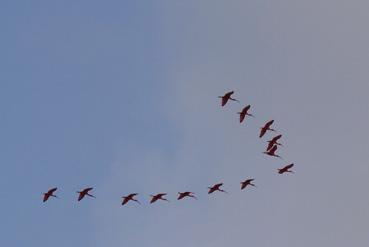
270, 150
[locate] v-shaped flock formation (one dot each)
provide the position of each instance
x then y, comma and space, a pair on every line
270, 150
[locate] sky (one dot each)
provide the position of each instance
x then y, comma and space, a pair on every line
122, 96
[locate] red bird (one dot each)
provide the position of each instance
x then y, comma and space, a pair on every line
158, 197
130, 197
245, 113
49, 193
84, 193
274, 141
265, 128
182, 195
216, 187
227, 97
247, 182
286, 169
271, 152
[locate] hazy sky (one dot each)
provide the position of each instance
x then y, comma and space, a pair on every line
122, 96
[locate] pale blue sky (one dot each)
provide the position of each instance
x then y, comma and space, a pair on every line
122, 96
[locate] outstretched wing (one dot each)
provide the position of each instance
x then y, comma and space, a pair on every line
46, 196
289, 166
243, 185
270, 145
52, 190
273, 149
262, 132
125, 200
268, 124
81, 195
224, 100
242, 116
276, 138
88, 189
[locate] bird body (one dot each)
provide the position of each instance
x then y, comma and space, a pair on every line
247, 182
245, 113
182, 195
84, 193
271, 152
286, 169
159, 196
216, 187
274, 141
128, 198
50, 193
227, 96
265, 128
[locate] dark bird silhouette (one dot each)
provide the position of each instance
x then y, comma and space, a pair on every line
216, 187
245, 113
182, 195
286, 169
271, 152
84, 193
265, 128
247, 182
158, 197
227, 97
49, 193
274, 141
130, 197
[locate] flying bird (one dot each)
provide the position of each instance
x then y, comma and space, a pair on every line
265, 128
130, 197
274, 141
84, 193
159, 196
286, 169
49, 193
247, 182
182, 195
216, 187
271, 152
227, 97
245, 113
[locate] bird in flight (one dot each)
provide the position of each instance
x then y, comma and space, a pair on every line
274, 141
130, 197
182, 195
84, 193
159, 196
286, 169
226, 97
245, 113
216, 187
271, 152
49, 193
247, 182
265, 128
